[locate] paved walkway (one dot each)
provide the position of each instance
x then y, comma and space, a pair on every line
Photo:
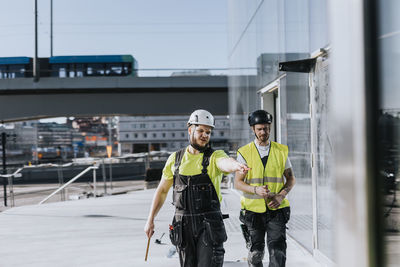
108, 231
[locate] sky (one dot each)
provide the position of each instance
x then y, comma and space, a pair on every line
158, 33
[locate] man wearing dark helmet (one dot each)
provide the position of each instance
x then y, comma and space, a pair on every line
264, 207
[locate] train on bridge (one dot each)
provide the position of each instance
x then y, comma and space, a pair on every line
69, 66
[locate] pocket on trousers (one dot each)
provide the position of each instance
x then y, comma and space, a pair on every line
202, 196
215, 231
180, 196
175, 233
249, 218
242, 216
286, 214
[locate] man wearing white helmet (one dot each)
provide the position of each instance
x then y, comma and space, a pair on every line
197, 229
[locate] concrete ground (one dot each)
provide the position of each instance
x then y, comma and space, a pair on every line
108, 231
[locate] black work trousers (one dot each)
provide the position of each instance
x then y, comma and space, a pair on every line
201, 242
272, 223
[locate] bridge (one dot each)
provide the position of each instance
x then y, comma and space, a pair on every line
24, 99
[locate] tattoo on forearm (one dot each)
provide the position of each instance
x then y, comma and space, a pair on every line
289, 172
286, 189
288, 185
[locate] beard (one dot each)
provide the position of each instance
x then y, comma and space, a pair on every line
197, 146
263, 138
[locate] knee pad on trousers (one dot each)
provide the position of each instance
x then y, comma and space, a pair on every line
255, 257
277, 253
278, 245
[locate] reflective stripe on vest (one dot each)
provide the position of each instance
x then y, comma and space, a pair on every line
272, 174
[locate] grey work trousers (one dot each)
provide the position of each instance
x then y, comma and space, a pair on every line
272, 223
201, 241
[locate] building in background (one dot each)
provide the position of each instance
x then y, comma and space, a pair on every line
169, 133
51, 142
45, 142
55, 142
19, 144
97, 134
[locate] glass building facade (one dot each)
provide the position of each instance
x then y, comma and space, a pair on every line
328, 71
262, 35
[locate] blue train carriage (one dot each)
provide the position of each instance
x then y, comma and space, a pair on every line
15, 67
87, 66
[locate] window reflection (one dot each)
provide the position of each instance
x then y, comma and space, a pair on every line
264, 33
389, 126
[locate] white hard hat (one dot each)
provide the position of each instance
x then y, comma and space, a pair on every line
201, 116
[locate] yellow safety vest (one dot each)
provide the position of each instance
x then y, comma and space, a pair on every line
271, 175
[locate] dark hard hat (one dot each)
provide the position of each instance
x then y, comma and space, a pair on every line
259, 117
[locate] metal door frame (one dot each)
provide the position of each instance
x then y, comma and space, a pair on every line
273, 90
318, 254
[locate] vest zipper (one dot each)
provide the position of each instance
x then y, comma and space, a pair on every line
190, 196
193, 219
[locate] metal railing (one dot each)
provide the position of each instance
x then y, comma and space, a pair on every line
95, 163
94, 168
10, 183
